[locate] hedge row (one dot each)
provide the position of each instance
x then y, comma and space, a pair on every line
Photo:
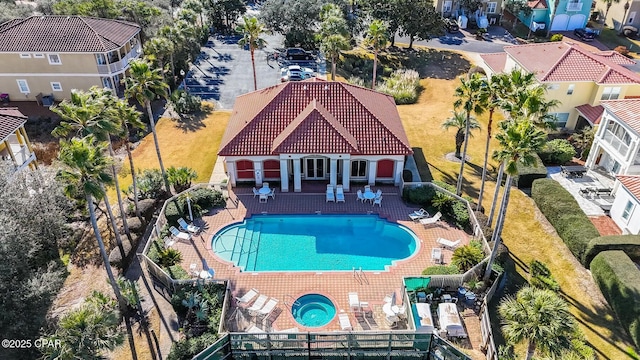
630, 244
527, 174
619, 281
564, 213
201, 201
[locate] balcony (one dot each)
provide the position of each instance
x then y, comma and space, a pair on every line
573, 6
616, 144
122, 64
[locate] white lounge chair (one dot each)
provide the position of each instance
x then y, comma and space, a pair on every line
339, 194
418, 214
431, 220
360, 196
378, 201
168, 242
446, 243
268, 308
354, 302
330, 195
184, 226
253, 310
179, 234
436, 255
246, 298
345, 323
255, 192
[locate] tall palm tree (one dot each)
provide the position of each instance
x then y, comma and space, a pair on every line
85, 114
519, 140
583, 140
252, 30
470, 98
159, 48
540, 317
332, 46
377, 38
85, 170
145, 84
459, 122
531, 103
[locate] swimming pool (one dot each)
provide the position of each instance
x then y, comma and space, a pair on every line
314, 243
313, 310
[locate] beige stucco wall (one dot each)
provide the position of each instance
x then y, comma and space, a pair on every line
12, 63
616, 13
42, 84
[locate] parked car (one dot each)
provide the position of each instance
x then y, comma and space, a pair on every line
451, 25
630, 31
295, 73
585, 34
298, 54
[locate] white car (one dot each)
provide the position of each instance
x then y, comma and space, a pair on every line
295, 73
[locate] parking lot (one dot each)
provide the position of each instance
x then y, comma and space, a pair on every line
223, 70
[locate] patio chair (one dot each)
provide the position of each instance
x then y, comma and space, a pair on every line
330, 196
253, 309
345, 323
179, 234
418, 214
392, 321
378, 201
360, 196
265, 184
263, 198
378, 193
193, 270
436, 255
168, 242
255, 192
339, 194
190, 228
246, 298
367, 188
268, 308
272, 193
431, 220
354, 302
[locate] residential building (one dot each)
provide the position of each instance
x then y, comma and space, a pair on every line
15, 145
51, 55
620, 13
625, 210
492, 9
570, 14
317, 131
579, 79
616, 145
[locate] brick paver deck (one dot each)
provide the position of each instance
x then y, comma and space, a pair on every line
287, 286
605, 225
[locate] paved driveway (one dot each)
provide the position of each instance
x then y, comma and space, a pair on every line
462, 40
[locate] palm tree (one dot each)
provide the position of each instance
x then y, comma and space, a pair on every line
541, 318
459, 121
145, 84
531, 103
583, 140
470, 98
332, 46
158, 49
252, 30
181, 177
85, 170
377, 38
85, 114
519, 141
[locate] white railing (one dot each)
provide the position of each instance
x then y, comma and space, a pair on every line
574, 6
122, 64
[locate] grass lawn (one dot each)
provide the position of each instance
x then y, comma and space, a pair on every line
611, 39
524, 234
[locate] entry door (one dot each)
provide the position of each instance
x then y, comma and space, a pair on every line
315, 168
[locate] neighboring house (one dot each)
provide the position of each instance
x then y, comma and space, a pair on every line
570, 14
51, 55
616, 145
618, 15
451, 9
314, 130
625, 210
15, 145
579, 79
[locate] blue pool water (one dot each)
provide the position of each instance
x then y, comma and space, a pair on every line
314, 243
313, 310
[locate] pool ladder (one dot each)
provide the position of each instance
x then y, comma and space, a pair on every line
360, 276
290, 301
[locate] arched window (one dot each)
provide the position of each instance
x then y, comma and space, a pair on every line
244, 169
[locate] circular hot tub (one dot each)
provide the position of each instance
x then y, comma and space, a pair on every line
313, 310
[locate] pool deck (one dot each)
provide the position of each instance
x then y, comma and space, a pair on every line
287, 286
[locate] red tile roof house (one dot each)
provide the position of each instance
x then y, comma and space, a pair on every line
579, 79
14, 142
625, 210
317, 131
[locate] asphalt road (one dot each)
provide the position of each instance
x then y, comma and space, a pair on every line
464, 41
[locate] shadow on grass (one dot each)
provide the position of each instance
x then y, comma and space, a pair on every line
192, 123
422, 164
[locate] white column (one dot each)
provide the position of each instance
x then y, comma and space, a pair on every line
346, 170
284, 176
397, 175
373, 168
333, 172
258, 173
231, 172
297, 180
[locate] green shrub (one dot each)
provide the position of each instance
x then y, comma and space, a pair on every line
451, 207
207, 198
564, 213
527, 174
630, 244
403, 85
202, 200
540, 276
619, 281
185, 103
150, 184
421, 195
556, 37
177, 272
557, 152
169, 257
188, 347
466, 257
441, 270
180, 178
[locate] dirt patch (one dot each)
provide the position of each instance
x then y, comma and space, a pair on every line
82, 280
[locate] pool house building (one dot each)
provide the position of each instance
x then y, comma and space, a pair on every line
314, 131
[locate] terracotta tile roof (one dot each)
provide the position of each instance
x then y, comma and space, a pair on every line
627, 110
591, 113
616, 57
495, 61
563, 61
537, 4
11, 119
58, 33
632, 183
314, 116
